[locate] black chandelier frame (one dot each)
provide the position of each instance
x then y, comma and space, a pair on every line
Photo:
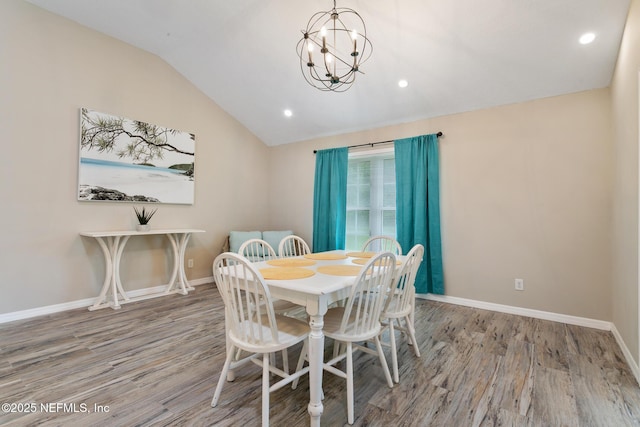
341, 57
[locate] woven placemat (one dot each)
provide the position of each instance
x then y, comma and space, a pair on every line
291, 262
363, 261
361, 254
286, 273
340, 270
325, 256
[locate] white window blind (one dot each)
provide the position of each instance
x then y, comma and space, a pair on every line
371, 197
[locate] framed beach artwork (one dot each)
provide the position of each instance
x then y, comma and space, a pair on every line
125, 160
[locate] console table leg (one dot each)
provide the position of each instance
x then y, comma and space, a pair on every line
119, 247
112, 248
183, 276
108, 274
179, 246
176, 260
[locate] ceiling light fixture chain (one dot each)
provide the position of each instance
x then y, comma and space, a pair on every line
340, 35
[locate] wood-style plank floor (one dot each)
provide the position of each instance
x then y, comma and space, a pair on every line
156, 363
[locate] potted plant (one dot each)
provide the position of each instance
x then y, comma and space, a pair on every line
144, 216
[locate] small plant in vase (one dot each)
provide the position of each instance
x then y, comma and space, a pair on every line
144, 216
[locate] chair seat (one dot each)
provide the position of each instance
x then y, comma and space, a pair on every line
280, 305
290, 309
395, 309
398, 314
333, 321
290, 332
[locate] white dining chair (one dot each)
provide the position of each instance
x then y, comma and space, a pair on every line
291, 246
359, 321
382, 244
399, 307
254, 327
257, 250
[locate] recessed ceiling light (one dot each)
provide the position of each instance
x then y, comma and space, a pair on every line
403, 83
587, 38
288, 113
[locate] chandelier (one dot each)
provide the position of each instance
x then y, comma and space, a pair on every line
332, 48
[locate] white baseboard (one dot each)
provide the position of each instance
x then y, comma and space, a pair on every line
544, 315
537, 314
627, 354
71, 305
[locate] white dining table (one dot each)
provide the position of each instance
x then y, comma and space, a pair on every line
315, 293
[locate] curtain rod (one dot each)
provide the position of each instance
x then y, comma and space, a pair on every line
439, 134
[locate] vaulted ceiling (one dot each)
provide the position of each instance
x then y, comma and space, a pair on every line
457, 55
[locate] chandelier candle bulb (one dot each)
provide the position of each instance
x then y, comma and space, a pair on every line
323, 33
354, 36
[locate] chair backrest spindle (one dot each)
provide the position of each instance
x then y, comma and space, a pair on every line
382, 244
257, 250
292, 246
247, 300
402, 293
364, 306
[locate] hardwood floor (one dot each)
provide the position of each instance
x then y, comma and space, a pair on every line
156, 363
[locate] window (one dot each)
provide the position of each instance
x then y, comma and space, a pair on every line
371, 198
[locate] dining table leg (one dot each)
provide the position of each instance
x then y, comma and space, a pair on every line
316, 356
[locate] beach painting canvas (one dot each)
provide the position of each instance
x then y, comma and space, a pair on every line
128, 160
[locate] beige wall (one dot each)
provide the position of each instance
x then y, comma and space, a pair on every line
50, 67
526, 188
525, 193
624, 95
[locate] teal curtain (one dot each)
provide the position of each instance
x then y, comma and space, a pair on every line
330, 199
418, 206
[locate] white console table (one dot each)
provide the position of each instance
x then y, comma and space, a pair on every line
112, 244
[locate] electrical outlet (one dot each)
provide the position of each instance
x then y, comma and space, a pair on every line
190, 263
519, 284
